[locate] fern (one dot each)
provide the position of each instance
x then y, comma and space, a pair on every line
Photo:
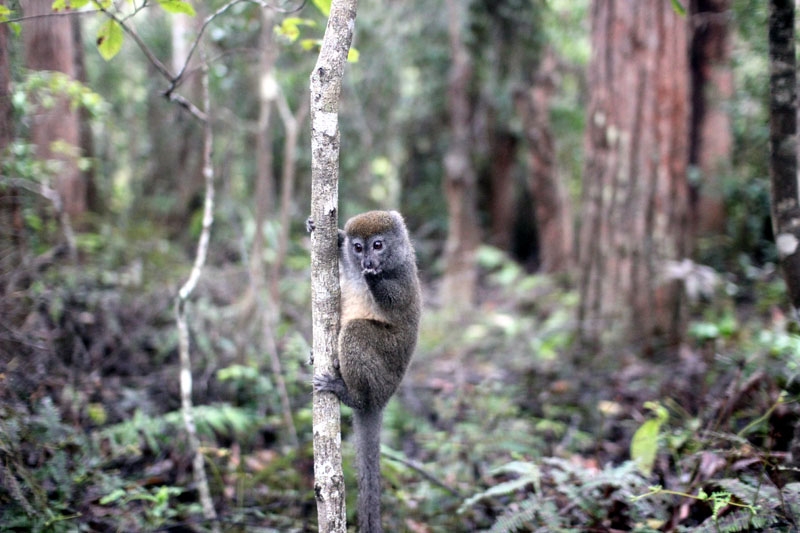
738, 520
593, 496
529, 474
543, 515
148, 432
755, 495
791, 501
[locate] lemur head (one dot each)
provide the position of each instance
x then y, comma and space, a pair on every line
377, 242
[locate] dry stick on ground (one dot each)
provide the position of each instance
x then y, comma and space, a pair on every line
326, 86
198, 463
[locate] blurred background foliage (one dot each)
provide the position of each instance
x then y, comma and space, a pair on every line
502, 424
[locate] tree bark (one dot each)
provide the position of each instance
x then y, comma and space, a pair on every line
184, 352
49, 46
783, 144
326, 86
460, 275
635, 197
502, 193
552, 206
711, 138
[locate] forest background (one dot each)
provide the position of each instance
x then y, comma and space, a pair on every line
607, 342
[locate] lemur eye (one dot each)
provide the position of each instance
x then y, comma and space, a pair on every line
377, 245
358, 248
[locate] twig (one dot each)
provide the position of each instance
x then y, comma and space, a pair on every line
162, 69
198, 462
176, 81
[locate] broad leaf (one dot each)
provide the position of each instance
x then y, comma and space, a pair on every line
290, 27
177, 6
678, 7
324, 6
109, 39
310, 44
644, 445
63, 5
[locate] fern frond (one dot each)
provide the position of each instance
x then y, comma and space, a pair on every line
153, 432
739, 520
529, 475
503, 489
531, 513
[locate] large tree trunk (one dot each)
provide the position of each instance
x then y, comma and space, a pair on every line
635, 198
711, 138
460, 275
552, 205
783, 144
49, 45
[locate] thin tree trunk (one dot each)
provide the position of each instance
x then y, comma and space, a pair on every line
783, 144
265, 176
711, 138
460, 275
198, 461
268, 303
635, 198
326, 87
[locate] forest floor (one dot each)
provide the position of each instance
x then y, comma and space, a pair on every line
502, 424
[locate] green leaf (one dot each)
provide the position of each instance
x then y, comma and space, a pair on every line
5, 13
290, 27
324, 6
109, 39
115, 495
310, 44
644, 445
353, 55
64, 5
177, 6
678, 7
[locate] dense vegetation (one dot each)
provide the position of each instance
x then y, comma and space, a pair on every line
503, 423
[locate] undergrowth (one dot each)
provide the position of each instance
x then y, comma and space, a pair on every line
498, 426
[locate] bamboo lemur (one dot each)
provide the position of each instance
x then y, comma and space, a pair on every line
380, 313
